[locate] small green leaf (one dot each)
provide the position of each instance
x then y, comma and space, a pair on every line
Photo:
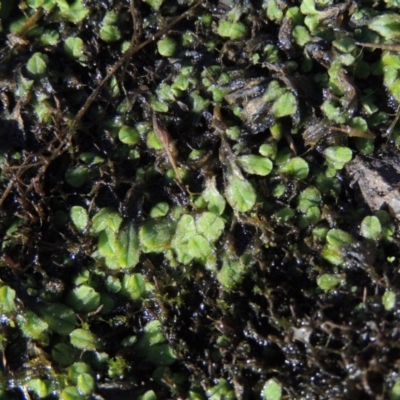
37, 65
110, 33
333, 254
182, 254
49, 37
313, 215
159, 210
113, 88
220, 391
320, 232
284, 214
43, 110
194, 239
24, 86
301, 35
274, 13
359, 124
371, 228
388, 227
334, 113
73, 47
269, 150
152, 346
274, 91
84, 340
257, 165
210, 226
239, 193
167, 46
296, 167
7, 296
78, 176
121, 249
71, 393
31, 325
152, 335
79, 218
185, 229
218, 92
39, 387
17, 24
91, 158
346, 44
181, 83
215, 201
233, 133
110, 18
48, 5
197, 103
232, 30
387, 25
285, 105
338, 238
158, 106
63, 354
78, 368
113, 284
161, 354
134, 286
74, 12
106, 218
198, 247
83, 299
153, 142
272, 390
390, 75
155, 235
328, 282
390, 59
61, 319
165, 92
231, 273
106, 247
149, 395
389, 300
283, 155
310, 197
154, 4
278, 190
85, 384
337, 156
365, 146
334, 250
129, 135
311, 22
308, 7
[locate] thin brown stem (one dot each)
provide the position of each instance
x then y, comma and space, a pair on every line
130, 52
